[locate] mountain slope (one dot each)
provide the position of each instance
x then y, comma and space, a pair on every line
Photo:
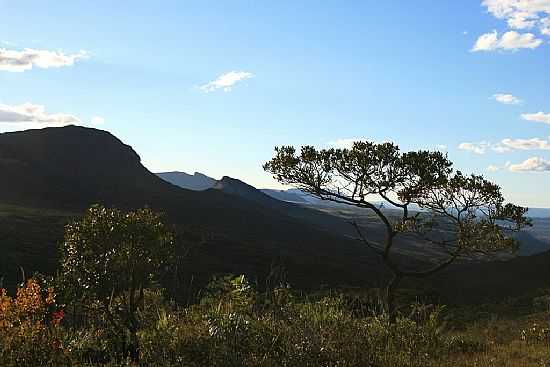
72, 167
196, 181
67, 169
239, 188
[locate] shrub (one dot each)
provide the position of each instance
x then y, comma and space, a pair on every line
29, 327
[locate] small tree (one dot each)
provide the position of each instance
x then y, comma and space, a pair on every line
109, 257
462, 215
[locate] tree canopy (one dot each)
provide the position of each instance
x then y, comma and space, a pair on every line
462, 215
109, 257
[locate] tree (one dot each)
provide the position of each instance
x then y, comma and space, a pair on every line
461, 215
109, 257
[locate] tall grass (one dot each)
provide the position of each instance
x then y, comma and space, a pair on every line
235, 325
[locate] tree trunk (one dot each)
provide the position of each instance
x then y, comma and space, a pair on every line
390, 297
133, 345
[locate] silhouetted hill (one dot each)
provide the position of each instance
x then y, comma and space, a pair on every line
73, 167
196, 181
239, 188
199, 181
49, 176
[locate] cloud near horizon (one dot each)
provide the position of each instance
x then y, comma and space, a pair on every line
28, 112
33, 116
477, 148
226, 81
533, 164
20, 61
506, 145
527, 144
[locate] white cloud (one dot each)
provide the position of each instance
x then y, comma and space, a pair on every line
510, 40
506, 145
28, 112
500, 148
97, 120
226, 81
521, 14
493, 168
483, 147
506, 98
533, 164
527, 144
477, 148
441, 147
19, 61
31, 116
537, 117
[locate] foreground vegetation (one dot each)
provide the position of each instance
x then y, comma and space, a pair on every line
108, 306
234, 325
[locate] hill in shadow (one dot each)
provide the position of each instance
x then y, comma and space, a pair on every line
73, 167
233, 228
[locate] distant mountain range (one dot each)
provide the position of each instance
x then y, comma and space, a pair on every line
199, 181
55, 173
196, 181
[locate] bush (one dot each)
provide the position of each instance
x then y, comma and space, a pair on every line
29, 327
233, 325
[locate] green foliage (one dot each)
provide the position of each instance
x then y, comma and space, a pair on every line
234, 325
109, 258
110, 252
462, 216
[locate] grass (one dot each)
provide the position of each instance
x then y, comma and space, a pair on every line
234, 325
30, 239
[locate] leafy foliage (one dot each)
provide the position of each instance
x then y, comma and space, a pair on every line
109, 258
29, 326
460, 215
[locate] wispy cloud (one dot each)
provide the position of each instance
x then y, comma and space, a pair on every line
505, 98
510, 41
527, 144
20, 61
533, 164
477, 148
33, 116
28, 112
226, 81
493, 168
537, 117
506, 145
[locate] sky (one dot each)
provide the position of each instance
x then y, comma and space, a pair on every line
214, 86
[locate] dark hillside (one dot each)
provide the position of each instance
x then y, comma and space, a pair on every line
51, 175
72, 167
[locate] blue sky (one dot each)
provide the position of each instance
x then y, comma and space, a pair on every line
304, 73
